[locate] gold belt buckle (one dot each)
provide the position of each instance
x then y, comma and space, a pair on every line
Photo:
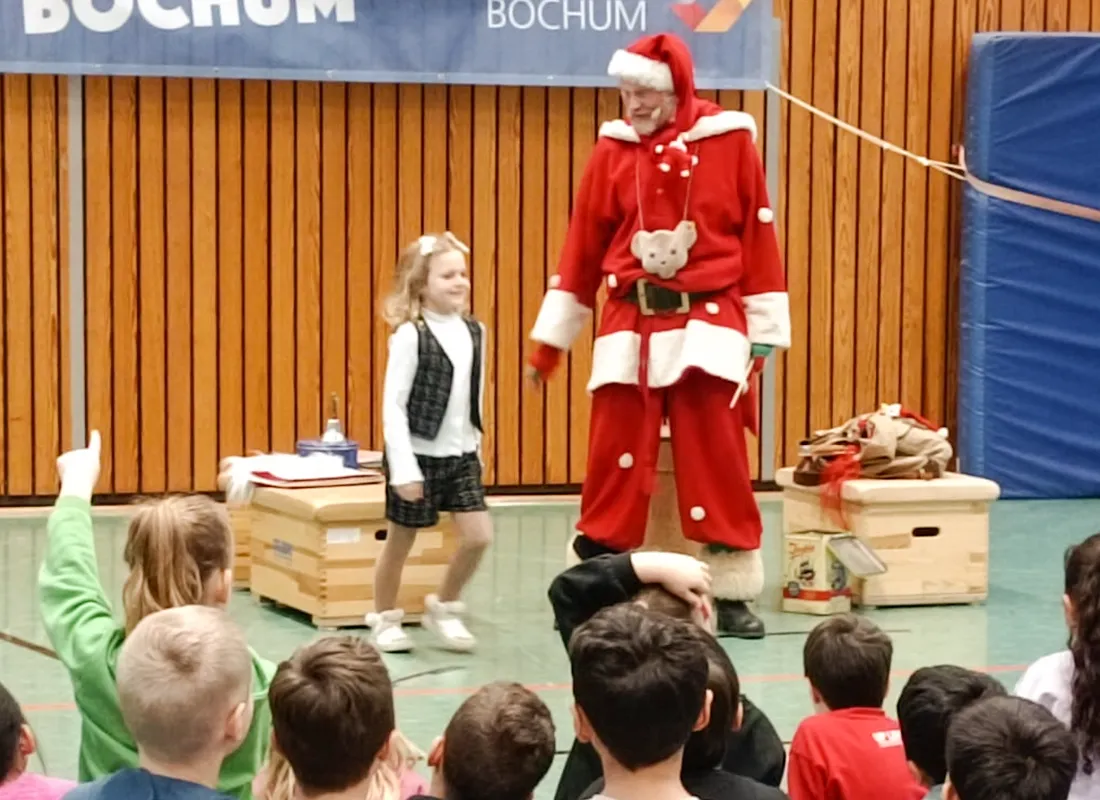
643, 300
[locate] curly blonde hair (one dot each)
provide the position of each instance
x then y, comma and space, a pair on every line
411, 276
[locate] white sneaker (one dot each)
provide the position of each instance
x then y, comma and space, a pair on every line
386, 632
445, 621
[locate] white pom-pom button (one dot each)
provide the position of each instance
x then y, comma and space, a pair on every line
765, 215
612, 281
694, 160
685, 173
555, 281
659, 149
712, 308
663, 167
626, 461
698, 513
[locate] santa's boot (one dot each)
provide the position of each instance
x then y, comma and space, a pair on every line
737, 579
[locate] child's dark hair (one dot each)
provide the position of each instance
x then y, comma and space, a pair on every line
11, 725
640, 677
657, 598
1082, 586
499, 744
930, 700
706, 749
1008, 748
847, 660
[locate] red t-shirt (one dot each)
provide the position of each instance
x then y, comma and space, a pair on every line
851, 754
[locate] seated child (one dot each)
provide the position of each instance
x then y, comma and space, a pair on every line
703, 772
332, 716
640, 690
850, 749
185, 690
17, 745
676, 585
1008, 748
499, 744
930, 700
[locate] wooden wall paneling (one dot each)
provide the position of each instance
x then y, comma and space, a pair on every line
558, 178
97, 293
384, 200
1012, 13
45, 221
5, 150
334, 256
916, 219
940, 188
483, 242
362, 303
177, 116
846, 210
308, 262
284, 248
256, 283
534, 281
783, 11
869, 236
124, 277
152, 298
65, 388
436, 188
510, 269
798, 178
230, 270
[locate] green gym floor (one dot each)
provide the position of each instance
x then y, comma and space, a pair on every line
511, 616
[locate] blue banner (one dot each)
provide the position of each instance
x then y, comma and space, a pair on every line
524, 42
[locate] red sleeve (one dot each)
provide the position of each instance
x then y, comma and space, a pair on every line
763, 284
568, 304
805, 774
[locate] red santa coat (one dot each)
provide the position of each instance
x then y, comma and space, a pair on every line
719, 178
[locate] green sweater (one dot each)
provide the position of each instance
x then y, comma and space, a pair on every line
87, 637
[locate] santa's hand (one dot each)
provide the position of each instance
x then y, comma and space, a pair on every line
410, 492
762, 350
79, 469
684, 576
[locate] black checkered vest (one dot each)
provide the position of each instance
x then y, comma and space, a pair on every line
431, 389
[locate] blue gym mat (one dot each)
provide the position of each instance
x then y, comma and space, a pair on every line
1029, 360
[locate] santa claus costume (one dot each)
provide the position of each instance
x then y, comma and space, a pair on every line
678, 225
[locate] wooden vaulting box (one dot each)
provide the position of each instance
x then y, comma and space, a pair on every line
933, 536
315, 550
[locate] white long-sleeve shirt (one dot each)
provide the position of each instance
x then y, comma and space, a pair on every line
457, 435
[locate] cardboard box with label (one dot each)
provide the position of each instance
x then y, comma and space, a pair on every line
315, 550
819, 569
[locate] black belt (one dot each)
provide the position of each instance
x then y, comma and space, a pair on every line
653, 299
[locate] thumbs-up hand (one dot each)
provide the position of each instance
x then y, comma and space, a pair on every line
79, 469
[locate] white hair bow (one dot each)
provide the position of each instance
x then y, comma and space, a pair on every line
427, 243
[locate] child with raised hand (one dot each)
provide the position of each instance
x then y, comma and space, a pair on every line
1067, 683
431, 420
17, 745
179, 551
185, 690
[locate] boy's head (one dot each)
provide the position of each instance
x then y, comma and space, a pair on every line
500, 744
1008, 748
170, 658
640, 684
657, 598
930, 700
706, 749
847, 661
332, 713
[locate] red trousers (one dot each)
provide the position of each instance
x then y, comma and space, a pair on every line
713, 485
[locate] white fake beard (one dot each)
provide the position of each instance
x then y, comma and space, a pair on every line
649, 123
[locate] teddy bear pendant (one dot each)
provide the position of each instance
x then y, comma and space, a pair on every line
664, 252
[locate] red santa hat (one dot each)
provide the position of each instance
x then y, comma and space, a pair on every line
661, 61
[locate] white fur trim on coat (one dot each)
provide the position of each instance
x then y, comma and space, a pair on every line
717, 350
735, 575
571, 557
639, 69
619, 129
722, 122
560, 319
769, 318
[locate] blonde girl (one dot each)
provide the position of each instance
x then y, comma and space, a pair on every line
179, 552
431, 420
393, 779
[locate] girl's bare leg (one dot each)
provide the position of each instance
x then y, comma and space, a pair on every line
390, 564
475, 530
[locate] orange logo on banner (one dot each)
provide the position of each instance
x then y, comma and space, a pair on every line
718, 20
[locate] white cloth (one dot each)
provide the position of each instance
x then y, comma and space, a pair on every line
457, 434
1049, 682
